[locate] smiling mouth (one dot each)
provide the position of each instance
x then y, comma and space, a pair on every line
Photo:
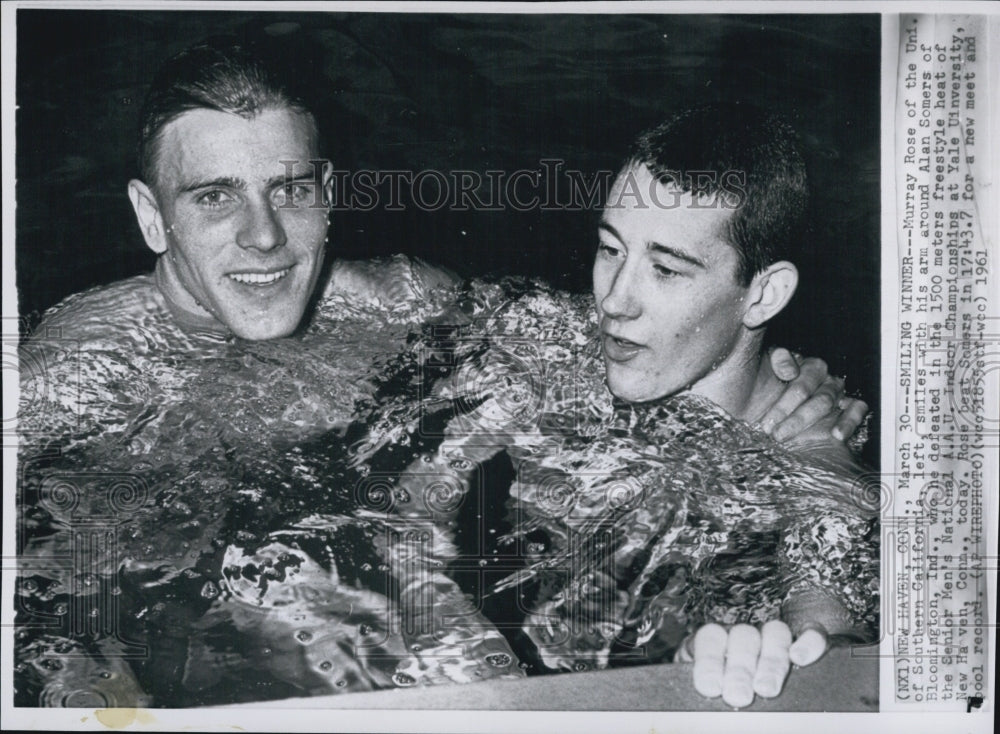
260, 278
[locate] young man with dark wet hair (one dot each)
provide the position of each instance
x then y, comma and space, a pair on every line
624, 503
232, 197
692, 260
684, 293
242, 252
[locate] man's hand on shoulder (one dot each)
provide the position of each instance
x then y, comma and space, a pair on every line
808, 406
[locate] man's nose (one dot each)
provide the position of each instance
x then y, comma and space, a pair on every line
262, 229
620, 302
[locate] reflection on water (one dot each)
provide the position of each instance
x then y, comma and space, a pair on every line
625, 527
312, 515
193, 533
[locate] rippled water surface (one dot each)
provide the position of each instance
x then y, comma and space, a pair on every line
201, 522
325, 513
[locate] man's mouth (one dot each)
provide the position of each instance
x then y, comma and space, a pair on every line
618, 349
268, 278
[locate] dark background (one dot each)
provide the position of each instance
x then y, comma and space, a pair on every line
478, 92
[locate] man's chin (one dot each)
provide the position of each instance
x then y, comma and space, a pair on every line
631, 390
624, 390
263, 330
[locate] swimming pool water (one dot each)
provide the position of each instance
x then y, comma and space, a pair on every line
326, 513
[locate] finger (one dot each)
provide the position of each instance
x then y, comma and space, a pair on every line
853, 413
783, 364
773, 664
742, 652
809, 647
811, 375
821, 403
709, 660
794, 395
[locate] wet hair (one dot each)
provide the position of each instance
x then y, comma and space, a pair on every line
221, 74
754, 166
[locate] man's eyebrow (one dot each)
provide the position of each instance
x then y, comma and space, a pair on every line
674, 252
227, 182
608, 228
285, 180
657, 247
230, 182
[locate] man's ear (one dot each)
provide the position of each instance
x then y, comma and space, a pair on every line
769, 292
147, 213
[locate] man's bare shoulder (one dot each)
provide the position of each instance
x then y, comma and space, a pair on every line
104, 313
389, 282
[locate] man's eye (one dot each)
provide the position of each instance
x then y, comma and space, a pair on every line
214, 199
606, 249
663, 271
295, 193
